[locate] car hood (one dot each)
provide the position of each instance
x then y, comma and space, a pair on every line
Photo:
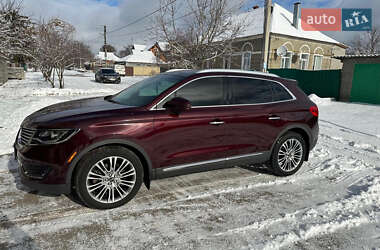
72, 111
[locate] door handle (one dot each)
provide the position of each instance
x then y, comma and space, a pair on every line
274, 117
217, 123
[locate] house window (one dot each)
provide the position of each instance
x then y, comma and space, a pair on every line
317, 65
304, 61
246, 61
286, 60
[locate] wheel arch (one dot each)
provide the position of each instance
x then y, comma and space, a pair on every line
138, 150
301, 129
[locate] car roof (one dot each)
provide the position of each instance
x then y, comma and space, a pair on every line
190, 72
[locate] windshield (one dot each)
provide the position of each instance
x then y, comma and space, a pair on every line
144, 92
108, 71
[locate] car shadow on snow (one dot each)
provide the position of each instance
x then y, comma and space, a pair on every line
13, 169
257, 168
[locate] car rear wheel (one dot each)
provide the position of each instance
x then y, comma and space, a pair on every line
108, 177
288, 154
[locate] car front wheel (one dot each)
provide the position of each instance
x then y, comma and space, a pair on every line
108, 177
288, 154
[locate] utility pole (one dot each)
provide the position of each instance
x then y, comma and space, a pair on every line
105, 42
266, 35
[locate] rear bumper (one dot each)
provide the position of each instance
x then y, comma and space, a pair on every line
106, 80
314, 137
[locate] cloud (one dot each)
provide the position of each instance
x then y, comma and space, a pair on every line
89, 16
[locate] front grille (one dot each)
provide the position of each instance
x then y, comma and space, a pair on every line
26, 136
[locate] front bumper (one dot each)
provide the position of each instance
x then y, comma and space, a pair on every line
41, 176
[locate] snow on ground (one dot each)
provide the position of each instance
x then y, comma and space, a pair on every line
21, 98
333, 202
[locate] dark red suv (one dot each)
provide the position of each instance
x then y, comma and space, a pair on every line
174, 123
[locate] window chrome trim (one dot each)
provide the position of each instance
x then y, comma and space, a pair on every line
182, 166
227, 105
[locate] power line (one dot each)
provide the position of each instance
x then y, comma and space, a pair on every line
142, 18
152, 28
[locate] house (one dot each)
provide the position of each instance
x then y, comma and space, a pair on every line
107, 57
159, 49
141, 62
289, 45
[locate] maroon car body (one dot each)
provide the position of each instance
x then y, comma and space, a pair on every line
199, 139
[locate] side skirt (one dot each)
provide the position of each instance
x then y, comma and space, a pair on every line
215, 164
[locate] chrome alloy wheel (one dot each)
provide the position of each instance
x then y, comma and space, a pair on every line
111, 179
290, 155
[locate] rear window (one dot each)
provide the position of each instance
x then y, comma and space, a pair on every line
250, 91
280, 93
256, 91
108, 71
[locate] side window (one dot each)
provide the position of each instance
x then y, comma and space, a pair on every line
250, 91
202, 92
280, 94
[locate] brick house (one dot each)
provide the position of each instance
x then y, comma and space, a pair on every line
307, 50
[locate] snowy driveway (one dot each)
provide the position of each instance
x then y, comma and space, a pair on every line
333, 201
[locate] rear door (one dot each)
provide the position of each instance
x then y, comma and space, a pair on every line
194, 136
253, 121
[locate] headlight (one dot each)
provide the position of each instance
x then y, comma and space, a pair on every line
52, 136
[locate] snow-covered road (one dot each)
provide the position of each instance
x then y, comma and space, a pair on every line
332, 202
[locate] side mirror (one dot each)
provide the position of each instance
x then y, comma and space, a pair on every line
177, 105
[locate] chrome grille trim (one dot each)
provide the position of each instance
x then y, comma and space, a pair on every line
26, 136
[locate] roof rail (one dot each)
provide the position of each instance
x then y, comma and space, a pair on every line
237, 71
174, 70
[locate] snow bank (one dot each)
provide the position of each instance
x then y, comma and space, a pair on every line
320, 101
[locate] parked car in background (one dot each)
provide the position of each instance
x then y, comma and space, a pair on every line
174, 123
106, 75
120, 68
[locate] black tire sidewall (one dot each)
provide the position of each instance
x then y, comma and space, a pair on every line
93, 157
274, 159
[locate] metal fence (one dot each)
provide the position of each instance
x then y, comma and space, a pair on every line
324, 83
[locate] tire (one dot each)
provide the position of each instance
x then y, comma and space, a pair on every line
98, 186
285, 162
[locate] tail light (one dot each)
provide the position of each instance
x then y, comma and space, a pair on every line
314, 111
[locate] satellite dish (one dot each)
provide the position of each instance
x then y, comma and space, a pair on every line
282, 50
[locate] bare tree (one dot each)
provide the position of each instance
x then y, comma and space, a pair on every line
109, 48
54, 49
126, 51
201, 34
16, 30
367, 43
82, 53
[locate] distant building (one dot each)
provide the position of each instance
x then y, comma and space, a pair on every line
159, 49
140, 62
307, 50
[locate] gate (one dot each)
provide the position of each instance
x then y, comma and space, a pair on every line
366, 84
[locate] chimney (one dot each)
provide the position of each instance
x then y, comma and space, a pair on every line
296, 14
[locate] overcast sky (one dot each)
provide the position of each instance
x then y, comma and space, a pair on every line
89, 16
